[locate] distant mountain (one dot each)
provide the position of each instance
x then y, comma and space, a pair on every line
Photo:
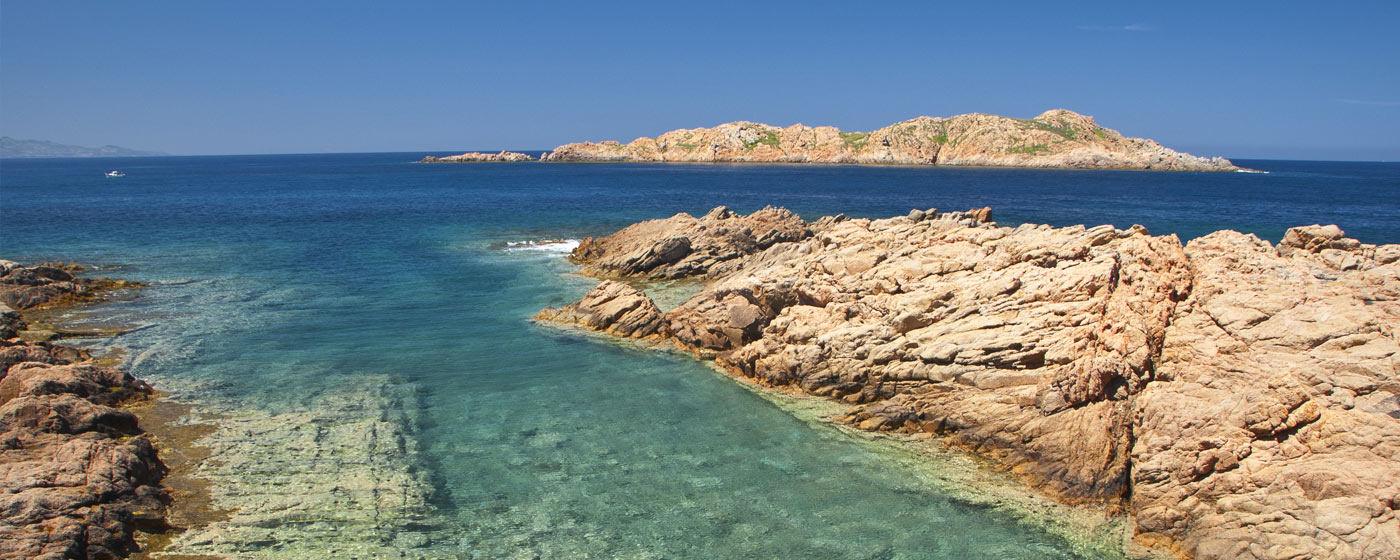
14, 148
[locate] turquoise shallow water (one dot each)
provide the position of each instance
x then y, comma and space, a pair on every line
282, 284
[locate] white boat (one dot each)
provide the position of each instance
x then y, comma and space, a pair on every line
115, 173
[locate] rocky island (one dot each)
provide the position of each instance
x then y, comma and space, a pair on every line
1234, 398
79, 475
478, 157
1054, 139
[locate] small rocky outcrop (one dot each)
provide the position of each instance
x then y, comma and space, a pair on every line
683, 245
614, 308
1237, 399
47, 284
1056, 138
479, 157
77, 475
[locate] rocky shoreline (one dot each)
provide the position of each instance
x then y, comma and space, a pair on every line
81, 478
1235, 398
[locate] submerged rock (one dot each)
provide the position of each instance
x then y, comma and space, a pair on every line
1238, 399
334, 477
1056, 138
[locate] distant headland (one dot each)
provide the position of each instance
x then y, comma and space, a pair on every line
1054, 139
15, 148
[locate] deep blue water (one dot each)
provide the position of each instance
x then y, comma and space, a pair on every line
278, 278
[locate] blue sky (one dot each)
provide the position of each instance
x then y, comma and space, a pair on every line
1304, 80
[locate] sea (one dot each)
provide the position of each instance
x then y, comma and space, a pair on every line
357, 329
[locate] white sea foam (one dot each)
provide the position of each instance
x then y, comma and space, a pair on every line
561, 246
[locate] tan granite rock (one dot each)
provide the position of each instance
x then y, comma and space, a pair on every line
683, 245
1274, 428
612, 307
1023, 343
1056, 138
105, 386
1238, 400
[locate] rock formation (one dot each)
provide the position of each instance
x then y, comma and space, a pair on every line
79, 477
26, 287
1237, 399
683, 245
1057, 138
1273, 429
475, 157
613, 308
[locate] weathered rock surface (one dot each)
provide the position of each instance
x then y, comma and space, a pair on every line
684, 245
16, 351
612, 307
1273, 430
478, 157
1056, 138
26, 287
1239, 400
77, 476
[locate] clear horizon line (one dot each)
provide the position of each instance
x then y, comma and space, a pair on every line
458, 151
